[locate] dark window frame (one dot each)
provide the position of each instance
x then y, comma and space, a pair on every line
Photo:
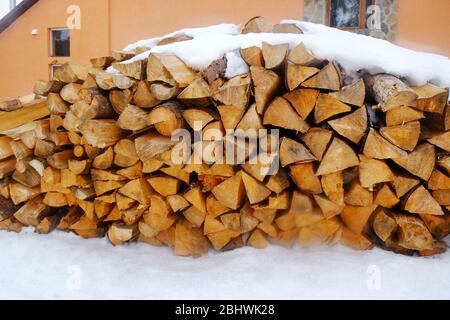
362, 15
52, 50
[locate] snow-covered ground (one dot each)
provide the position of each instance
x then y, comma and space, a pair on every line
63, 266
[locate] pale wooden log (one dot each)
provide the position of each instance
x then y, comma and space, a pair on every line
304, 176
338, 157
372, 172
317, 140
327, 107
20, 193
144, 97
133, 118
302, 56
197, 93
120, 99
421, 201
101, 133
303, 100
258, 24
420, 162
135, 69
26, 115
441, 140
412, 233
333, 187
253, 56
386, 198
110, 81
125, 153
71, 93
119, 55
401, 115
73, 72
163, 91
281, 114
152, 144
297, 74
235, 92
354, 93
43, 87
292, 151
358, 196
390, 92
102, 62
167, 118
274, 55
378, 147
431, 98
231, 192
33, 212
329, 78
353, 126
404, 136
265, 83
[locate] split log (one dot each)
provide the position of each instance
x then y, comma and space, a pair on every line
353, 126
317, 140
338, 157
404, 136
257, 25
431, 98
144, 97
420, 162
294, 152
327, 107
120, 99
421, 201
297, 74
274, 55
101, 133
265, 83
329, 78
135, 69
300, 55
281, 114
353, 94
133, 118
377, 147
253, 56
43, 88
235, 92
303, 100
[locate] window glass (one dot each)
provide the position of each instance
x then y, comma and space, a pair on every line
60, 42
344, 13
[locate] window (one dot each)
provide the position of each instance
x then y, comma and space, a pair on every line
347, 14
60, 42
53, 68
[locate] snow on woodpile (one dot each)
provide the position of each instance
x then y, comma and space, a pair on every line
353, 51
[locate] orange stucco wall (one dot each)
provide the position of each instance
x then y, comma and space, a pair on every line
112, 24
424, 25
133, 20
24, 58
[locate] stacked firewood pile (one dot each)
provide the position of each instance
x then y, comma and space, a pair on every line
363, 162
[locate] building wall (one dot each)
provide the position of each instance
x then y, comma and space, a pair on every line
112, 24
24, 58
133, 20
424, 25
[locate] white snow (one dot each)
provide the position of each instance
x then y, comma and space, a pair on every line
64, 266
353, 51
